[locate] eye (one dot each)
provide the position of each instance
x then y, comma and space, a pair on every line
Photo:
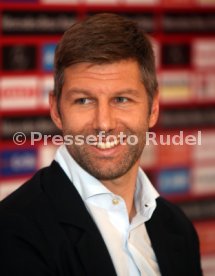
83, 101
121, 99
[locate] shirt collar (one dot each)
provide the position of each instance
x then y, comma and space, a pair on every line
88, 186
145, 195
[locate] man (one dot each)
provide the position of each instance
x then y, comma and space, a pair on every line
93, 211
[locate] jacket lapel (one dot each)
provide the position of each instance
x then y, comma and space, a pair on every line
72, 213
167, 244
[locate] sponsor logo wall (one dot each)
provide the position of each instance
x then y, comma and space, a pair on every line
184, 45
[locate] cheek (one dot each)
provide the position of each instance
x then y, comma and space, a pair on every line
139, 118
75, 122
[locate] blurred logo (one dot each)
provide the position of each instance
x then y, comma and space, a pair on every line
19, 57
48, 57
173, 181
42, 124
36, 22
18, 162
19, 92
19, 1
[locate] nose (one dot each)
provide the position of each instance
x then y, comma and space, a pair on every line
104, 119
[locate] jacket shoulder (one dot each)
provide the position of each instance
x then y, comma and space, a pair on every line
171, 211
21, 198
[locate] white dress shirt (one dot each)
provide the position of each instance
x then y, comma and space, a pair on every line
128, 243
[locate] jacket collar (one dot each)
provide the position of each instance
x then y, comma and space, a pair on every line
66, 199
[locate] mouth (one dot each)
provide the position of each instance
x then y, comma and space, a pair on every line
107, 145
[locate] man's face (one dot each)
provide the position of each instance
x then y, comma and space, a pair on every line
109, 98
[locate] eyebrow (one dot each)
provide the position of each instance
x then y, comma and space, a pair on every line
128, 91
78, 91
75, 90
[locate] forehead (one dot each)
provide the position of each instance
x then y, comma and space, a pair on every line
106, 71
104, 79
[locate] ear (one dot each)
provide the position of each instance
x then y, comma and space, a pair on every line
154, 110
56, 118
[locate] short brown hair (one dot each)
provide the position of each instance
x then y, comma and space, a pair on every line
105, 38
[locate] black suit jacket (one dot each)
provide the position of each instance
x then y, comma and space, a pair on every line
45, 229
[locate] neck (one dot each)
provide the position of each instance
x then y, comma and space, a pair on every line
124, 186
